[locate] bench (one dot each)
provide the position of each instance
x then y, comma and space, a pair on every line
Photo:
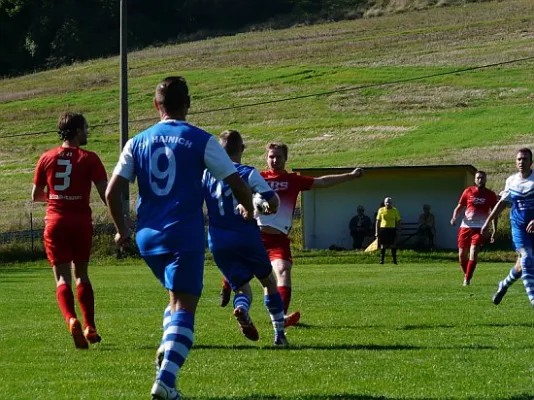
408, 231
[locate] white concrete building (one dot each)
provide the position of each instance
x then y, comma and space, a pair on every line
326, 212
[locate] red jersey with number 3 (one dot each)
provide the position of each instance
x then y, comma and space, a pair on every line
288, 186
68, 172
478, 204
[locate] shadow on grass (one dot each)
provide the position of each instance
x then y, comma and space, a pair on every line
343, 346
347, 396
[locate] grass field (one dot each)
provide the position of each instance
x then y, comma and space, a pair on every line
477, 117
369, 332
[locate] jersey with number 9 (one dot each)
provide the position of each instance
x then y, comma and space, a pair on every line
168, 160
68, 172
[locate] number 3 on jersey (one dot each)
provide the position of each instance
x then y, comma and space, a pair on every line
168, 172
65, 175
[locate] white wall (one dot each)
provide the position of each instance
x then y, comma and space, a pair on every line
327, 212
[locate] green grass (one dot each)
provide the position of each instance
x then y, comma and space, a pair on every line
368, 332
477, 117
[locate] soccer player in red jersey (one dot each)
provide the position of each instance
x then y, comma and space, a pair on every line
63, 179
478, 202
275, 227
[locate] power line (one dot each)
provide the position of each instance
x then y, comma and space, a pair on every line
261, 103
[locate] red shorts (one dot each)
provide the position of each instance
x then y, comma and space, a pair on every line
468, 237
68, 240
277, 246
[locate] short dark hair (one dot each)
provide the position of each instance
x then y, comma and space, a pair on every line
278, 146
68, 125
232, 142
172, 94
481, 172
525, 150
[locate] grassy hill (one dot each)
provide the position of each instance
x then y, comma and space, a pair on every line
478, 117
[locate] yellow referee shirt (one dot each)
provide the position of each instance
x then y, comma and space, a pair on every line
388, 217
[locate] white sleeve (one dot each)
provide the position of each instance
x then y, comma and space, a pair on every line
217, 160
126, 166
257, 183
505, 194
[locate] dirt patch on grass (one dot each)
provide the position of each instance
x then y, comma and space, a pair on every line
409, 99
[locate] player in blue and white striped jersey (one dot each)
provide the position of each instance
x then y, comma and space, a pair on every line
168, 160
519, 193
236, 244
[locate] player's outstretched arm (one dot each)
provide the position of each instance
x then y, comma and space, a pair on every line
39, 194
331, 180
242, 194
116, 187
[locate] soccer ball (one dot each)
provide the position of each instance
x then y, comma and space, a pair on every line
259, 203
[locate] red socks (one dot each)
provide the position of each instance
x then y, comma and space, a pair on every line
65, 299
285, 293
471, 266
86, 299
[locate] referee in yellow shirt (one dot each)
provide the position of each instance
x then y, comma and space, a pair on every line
387, 228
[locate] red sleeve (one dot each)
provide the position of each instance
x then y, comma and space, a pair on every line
98, 171
305, 182
39, 177
463, 199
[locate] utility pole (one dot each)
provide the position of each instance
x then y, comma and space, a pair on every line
124, 90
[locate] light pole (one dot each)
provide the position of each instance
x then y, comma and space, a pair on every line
124, 90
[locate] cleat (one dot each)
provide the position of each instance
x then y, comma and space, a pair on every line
161, 391
280, 340
75, 329
291, 319
467, 282
91, 335
226, 292
245, 324
160, 355
499, 294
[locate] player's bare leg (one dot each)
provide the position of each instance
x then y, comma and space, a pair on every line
65, 299
471, 264
242, 301
282, 269
86, 300
463, 258
275, 306
226, 292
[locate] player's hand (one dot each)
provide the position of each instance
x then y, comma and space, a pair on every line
492, 239
244, 213
122, 239
357, 173
453, 222
267, 210
530, 227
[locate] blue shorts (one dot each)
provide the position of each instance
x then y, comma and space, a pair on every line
180, 271
522, 239
239, 257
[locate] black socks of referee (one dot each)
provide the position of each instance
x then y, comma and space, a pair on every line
393, 255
